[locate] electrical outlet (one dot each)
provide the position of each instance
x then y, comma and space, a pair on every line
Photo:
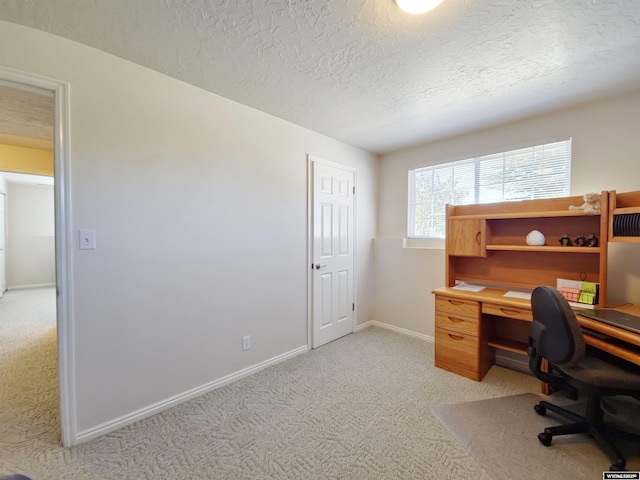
246, 342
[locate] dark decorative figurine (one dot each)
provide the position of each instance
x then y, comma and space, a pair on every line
592, 240
565, 241
580, 241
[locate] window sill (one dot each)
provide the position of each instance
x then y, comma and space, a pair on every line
425, 243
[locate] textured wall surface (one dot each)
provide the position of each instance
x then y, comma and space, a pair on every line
361, 71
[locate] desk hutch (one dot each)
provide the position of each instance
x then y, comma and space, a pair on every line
486, 245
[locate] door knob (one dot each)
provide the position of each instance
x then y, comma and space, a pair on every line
318, 267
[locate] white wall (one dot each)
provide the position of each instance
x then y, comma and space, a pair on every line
30, 235
604, 157
199, 205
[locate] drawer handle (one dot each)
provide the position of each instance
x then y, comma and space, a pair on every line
510, 312
456, 302
455, 337
478, 237
456, 320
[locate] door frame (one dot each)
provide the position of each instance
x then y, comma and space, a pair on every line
3, 239
311, 160
63, 242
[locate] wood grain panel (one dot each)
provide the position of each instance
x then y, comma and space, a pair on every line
458, 323
457, 306
522, 269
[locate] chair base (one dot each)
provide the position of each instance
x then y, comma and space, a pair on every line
592, 424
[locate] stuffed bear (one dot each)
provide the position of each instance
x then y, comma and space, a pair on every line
591, 204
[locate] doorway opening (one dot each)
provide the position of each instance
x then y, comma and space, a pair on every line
34, 170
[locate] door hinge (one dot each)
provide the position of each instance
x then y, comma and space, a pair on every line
353, 307
354, 190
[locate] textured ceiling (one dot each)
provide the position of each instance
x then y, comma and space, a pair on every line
362, 71
26, 117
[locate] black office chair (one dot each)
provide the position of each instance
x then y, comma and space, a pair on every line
556, 335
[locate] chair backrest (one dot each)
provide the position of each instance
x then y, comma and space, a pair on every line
555, 333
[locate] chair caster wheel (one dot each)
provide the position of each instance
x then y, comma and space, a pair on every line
545, 439
540, 410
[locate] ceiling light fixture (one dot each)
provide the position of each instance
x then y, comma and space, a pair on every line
417, 6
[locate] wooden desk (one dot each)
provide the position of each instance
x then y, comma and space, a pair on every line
470, 326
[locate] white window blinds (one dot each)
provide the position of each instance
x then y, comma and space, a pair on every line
542, 171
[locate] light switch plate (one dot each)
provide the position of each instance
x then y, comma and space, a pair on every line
87, 239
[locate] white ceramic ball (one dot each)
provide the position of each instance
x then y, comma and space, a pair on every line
535, 237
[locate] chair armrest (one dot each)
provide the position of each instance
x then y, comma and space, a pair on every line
535, 365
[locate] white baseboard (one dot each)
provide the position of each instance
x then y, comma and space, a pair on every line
118, 423
403, 331
35, 285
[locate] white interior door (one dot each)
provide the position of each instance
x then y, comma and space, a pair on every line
333, 252
3, 257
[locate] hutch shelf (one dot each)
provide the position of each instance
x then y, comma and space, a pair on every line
487, 244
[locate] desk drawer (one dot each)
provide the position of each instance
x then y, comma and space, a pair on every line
457, 349
468, 308
459, 323
507, 311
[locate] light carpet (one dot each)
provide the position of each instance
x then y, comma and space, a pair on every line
502, 435
357, 408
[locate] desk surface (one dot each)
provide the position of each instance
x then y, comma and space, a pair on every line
623, 343
493, 295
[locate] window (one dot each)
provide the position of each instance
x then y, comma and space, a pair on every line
543, 171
